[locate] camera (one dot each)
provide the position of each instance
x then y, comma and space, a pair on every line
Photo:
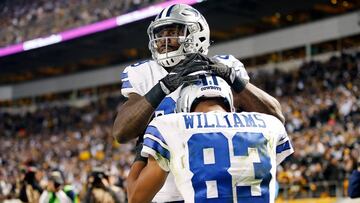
96, 178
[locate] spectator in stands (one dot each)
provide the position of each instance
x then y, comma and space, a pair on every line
100, 189
57, 191
30, 189
23, 20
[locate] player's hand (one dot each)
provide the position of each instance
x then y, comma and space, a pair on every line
237, 79
179, 75
181, 72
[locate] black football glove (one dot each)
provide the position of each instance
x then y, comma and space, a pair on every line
176, 77
232, 76
180, 74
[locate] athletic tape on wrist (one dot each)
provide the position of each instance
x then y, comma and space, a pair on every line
239, 85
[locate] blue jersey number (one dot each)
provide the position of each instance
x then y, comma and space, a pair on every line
216, 168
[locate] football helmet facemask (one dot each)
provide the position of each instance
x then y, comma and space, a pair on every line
192, 34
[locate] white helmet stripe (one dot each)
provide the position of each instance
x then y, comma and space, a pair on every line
169, 10
162, 11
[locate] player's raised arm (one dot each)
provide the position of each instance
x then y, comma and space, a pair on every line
246, 95
135, 113
146, 182
149, 182
252, 98
132, 118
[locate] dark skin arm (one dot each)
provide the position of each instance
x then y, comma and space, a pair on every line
135, 113
132, 118
143, 187
253, 99
135, 171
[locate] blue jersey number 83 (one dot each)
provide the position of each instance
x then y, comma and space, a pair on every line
220, 174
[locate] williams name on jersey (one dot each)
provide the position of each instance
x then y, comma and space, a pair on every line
219, 156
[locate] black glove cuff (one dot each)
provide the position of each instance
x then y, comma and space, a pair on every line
239, 85
155, 96
138, 156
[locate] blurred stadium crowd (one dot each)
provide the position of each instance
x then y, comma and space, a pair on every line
32, 19
320, 101
322, 109
72, 139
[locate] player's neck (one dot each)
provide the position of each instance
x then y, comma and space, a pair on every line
209, 105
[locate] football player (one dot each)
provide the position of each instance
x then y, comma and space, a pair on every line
214, 153
179, 41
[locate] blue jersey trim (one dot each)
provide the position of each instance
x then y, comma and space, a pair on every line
157, 147
152, 130
126, 84
283, 147
124, 76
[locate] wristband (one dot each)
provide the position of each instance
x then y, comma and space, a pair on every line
155, 96
239, 85
138, 156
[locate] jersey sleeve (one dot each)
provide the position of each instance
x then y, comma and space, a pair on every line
231, 61
132, 81
283, 146
155, 145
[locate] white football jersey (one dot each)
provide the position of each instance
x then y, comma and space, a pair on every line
219, 156
140, 78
